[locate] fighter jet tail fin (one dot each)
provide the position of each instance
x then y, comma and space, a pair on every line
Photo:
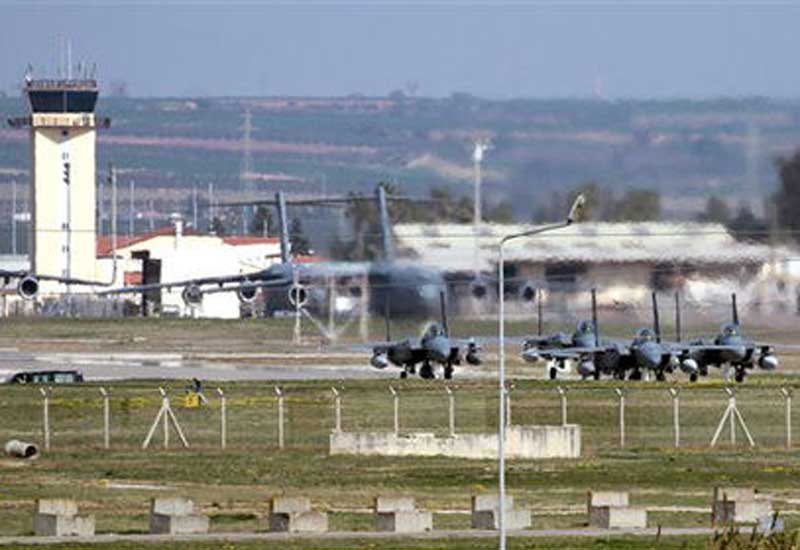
387, 318
734, 309
594, 317
677, 316
443, 306
656, 320
283, 226
539, 311
385, 225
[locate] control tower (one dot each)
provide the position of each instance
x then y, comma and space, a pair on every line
62, 193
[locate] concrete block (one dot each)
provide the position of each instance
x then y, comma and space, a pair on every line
606, 498
490, 519
299, 522
394, 504
730, 511
57, 506
188, 524
404, 521
54, 525
172, 506
289, 505
618, 517
490, 502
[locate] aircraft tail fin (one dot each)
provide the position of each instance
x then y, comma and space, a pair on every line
656, 320
385, 225
283, 226
594, 317
539, 311
734, 309
443, 306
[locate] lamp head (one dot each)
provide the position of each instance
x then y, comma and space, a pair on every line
576, 209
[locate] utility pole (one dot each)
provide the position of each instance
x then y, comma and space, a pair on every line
481, 146
14, 217
131, 218
194, 206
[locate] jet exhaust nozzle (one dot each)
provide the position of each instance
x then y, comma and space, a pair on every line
28, 287
192, 295
21, 449
247, 293
586, 368
768, 361
379, 361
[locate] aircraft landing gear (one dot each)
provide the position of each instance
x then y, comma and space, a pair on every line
404, 374
693, 377
660, 376
552, 373
596, 374
448, 371
635, 375
426, 371
740, 374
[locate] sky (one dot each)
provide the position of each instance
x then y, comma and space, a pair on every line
496, 49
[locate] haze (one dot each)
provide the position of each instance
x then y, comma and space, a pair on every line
656, 49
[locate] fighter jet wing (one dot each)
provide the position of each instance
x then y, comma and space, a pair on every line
567, 353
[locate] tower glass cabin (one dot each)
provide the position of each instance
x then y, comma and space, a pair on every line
63, 197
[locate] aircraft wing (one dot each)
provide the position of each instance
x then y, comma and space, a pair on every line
568, 353
220, 282
7, 275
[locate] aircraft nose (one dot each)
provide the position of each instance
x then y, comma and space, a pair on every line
440, 350
651, 356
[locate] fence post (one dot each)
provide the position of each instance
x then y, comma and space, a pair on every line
396, 410
562, 392
46, 415
787, 396
337, 410
676, 414
507, 393
621, 393
106, 419
452, 410
732, 400
279, 393
165, 406
223, 421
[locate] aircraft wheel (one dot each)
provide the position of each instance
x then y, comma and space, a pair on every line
739, 377
404, 374
426, 372
635, 375
448, 372
703, 370
693, 377
596, 374
553, 373
660, 376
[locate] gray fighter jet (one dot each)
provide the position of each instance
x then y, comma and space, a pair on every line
434, 347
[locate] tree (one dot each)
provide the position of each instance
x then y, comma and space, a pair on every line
787, 199
218, 226
300, 244
638, 205
262, 223
745, 226
716, 211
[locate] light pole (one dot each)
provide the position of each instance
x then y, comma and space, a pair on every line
501, 432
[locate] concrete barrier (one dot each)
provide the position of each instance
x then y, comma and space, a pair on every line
175, 516
399, 515
486, 513
294, 515
738, 505
59, 518
610, 510
521, 442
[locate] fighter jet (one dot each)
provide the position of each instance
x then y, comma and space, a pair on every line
434, 347
731, 348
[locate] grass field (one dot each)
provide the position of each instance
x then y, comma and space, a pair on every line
233, 486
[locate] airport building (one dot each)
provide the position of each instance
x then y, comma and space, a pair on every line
623, 261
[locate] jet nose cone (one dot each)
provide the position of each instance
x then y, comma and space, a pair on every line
651, 356
440, 350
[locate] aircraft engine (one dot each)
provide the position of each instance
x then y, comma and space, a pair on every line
527, 292
192, 295
479, 290
28, 287
472, 354
247, 292
379, 361
586, 368
768, 361
298, 296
